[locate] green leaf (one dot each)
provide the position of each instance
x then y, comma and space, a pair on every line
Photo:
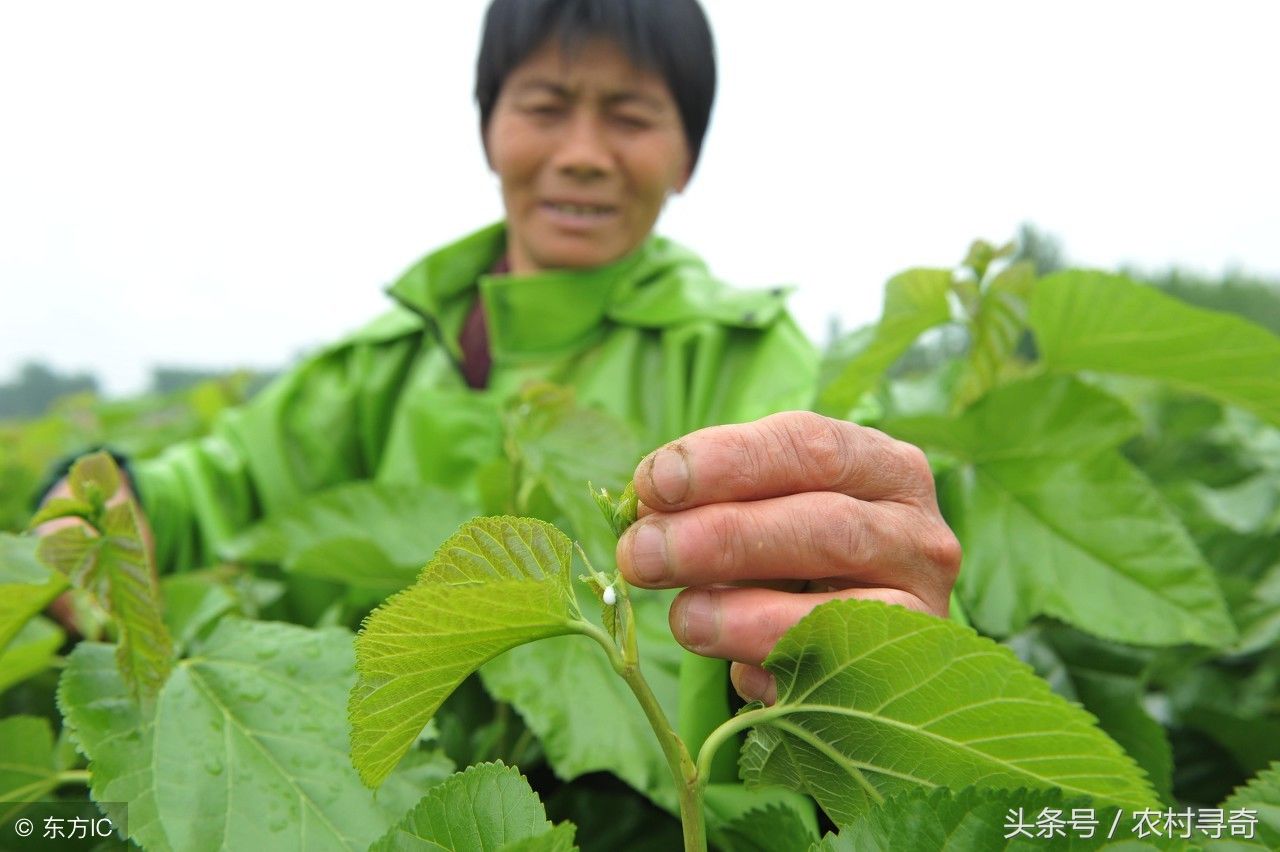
194, 600
925, 393
764, 829
1252, 740
117, 737
982, 254
250, 745
1048, 514
726, 802
1108, 323
26, 586
1234, 705
567, 444
113, 563
1109, 680
991, 821
995, 331
94, 479
19, 564
558, 839
497, 583
1044, 536
841, 349
74, 552
356, 562
1261, 441
1246, 569
1202, 771
487, 807
875, 700
625, 511
1259, 614
253, 671
132, 596
363, 533
61, 507
1262, 796
1117, 702
583, 713
30, 651
1249, 506
620, 513
556, 446
1184, 436
27, 772
1041, 417
914, 301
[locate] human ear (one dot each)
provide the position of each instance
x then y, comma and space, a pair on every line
484, 144
686, 172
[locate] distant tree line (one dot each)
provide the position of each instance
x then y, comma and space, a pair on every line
165, 380
38, 386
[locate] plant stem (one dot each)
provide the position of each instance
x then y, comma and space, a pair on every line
501, 721
630, 650
728, 729
683, 772
74, 776
520, 747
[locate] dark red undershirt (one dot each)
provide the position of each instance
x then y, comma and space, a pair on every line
474, 339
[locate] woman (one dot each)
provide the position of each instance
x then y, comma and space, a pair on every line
592, 113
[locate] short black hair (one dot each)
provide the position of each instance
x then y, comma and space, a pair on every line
671, 37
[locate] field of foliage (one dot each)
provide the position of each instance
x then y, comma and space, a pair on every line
1107, 453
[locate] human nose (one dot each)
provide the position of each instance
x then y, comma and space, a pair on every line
584, 150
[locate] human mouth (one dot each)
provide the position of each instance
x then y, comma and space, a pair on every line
578, 215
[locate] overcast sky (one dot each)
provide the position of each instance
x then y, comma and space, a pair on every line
234, 183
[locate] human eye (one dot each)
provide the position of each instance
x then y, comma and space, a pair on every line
632, 121
544, 113
543, 108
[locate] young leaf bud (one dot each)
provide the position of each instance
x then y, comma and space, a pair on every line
620, 513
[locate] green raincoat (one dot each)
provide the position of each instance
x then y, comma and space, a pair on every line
651, 338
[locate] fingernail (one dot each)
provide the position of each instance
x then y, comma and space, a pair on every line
649, 553
753, 683
669, 475
699, 620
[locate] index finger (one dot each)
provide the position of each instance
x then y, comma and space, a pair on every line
789, 453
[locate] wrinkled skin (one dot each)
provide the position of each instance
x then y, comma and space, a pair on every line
764, 521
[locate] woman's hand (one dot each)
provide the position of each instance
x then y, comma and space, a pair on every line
764, 521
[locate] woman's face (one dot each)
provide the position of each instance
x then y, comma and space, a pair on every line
587, 147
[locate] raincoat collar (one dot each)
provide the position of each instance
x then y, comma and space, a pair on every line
658, 285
